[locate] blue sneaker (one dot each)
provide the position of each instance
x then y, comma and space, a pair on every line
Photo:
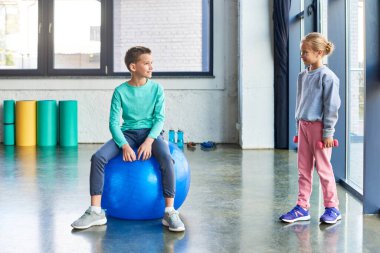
331, 215
296, 214
207, 146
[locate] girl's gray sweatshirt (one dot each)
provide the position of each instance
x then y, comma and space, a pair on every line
318, 98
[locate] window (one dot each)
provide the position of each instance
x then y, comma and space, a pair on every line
323, 7
174, 30
90, 37
355, 92
18, 34
73, 46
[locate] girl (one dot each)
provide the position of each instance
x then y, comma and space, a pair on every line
316, 115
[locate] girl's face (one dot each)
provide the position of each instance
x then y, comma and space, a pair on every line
143, 67
310, 56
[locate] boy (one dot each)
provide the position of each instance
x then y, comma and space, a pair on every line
143, 111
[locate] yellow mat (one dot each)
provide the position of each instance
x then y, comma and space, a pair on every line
26, 123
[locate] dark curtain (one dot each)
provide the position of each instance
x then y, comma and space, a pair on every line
281, 10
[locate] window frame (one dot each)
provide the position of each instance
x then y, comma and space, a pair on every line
45, 58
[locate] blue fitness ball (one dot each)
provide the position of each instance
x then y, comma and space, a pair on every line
133, 190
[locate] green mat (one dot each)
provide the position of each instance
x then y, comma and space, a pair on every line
47, 121
68, 123
9, 134
9, 122
9, 111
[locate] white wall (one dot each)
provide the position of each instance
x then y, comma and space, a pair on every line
256, 93
205, 108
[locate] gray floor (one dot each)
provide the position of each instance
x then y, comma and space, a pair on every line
233, 205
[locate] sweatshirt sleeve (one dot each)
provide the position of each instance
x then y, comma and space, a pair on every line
331, 104
114, 120
298, 97
158, 114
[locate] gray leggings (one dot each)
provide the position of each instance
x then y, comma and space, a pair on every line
135, 138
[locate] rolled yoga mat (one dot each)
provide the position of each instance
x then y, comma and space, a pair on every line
26, 123
47, 123
68, 123
9, 134
9, 111
9, 122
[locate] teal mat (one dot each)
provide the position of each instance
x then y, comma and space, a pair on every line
9, 111
9, 134
68, 123
47, 121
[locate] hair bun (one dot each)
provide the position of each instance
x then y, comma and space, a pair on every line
329, 48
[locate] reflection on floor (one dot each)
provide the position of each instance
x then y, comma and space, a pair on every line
233, 205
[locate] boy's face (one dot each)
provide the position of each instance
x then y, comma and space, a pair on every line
310, 56
143, 67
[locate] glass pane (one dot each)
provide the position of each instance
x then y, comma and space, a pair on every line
18, 34
176, 31
77, 34
324, 22
324, 14
356, 93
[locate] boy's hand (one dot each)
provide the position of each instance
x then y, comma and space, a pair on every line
145, 150
128, 153
328, 142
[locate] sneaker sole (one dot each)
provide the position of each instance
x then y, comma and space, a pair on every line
166, 224
304, 218
96, 223
332, 221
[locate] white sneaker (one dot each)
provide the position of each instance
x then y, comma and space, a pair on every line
173, 221
89, 219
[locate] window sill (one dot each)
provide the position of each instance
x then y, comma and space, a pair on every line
106, 82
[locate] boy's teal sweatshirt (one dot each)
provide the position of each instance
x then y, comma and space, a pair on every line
141, 107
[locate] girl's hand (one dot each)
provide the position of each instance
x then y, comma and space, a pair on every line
328, 142
145, 150
128, 153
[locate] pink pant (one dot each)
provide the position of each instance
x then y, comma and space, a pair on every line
309, 155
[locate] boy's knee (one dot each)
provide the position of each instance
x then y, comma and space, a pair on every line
98, 158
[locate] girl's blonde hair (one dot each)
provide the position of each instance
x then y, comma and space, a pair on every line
318, 42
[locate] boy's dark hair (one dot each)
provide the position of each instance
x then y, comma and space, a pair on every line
133, 54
